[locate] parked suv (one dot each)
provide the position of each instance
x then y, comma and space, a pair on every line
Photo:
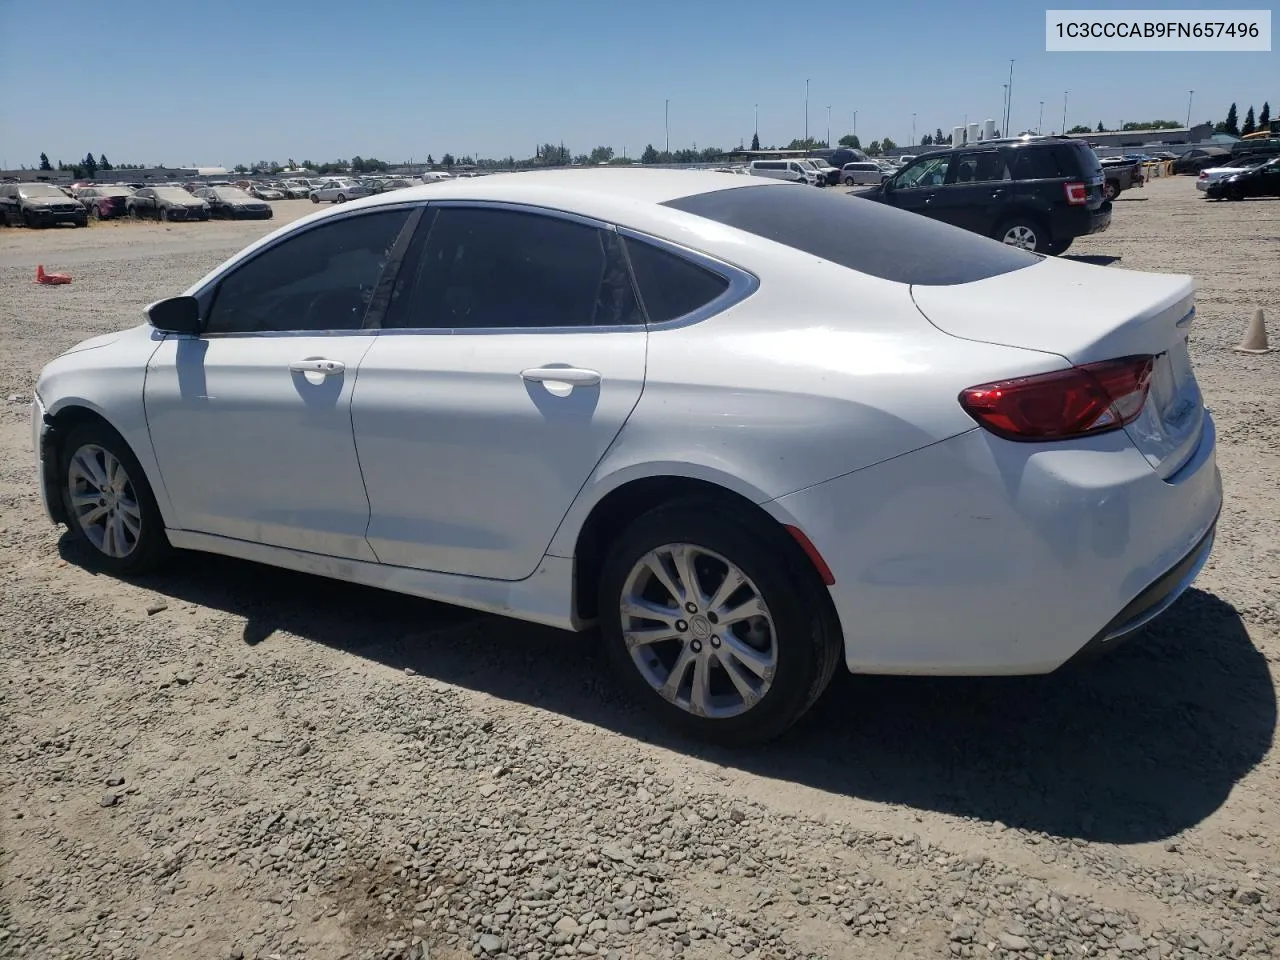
1038, 193
39, 205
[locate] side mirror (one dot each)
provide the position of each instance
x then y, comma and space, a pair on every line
175, 315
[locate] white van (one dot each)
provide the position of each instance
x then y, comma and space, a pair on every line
792, 170
860, 172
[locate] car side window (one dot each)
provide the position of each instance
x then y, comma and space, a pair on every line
924, 173
486, 268
1031, 164
323, 278
670, 286
979, 167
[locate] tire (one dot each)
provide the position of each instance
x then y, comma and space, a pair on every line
314, 198
802, 645
1059, 247
30, 221
97, 212
341, 198
848, 181
1030, 234
163, 214
133, 213
137, 542
1111, 190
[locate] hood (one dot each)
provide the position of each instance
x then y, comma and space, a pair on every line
49, 201
94, 342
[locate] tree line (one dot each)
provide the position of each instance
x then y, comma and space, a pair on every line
1252, 124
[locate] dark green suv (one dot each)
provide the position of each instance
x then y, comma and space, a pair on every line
1038, 193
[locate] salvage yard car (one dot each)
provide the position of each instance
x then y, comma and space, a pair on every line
39, 205
1038, 193
166, 203
1262, 180
918, 450
232, 203
104, 202
339, 190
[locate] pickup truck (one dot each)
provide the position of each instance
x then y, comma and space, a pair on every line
1121, 174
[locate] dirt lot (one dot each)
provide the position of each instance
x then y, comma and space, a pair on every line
230, 761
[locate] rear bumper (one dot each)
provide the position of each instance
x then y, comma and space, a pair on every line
980, 556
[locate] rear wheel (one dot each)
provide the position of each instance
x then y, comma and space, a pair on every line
133, 213
342, 198
1111, 190
709, 623
1025, 233
108, 502
1059, 247
848, 181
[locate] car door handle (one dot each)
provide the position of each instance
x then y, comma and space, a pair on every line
326, 368
572, 375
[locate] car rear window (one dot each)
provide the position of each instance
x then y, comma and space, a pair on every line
860, 234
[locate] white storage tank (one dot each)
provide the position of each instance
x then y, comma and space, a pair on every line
957, 136
989, 130
973, 133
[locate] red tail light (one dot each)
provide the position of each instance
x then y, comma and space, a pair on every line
1081, 401
1077, 193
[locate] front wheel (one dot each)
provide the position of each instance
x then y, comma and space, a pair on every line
848, 181
1023, 233
164, 214
314, 198
109, 504
710, 623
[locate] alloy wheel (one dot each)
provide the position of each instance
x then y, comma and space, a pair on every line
1020, 235
104, 501
699, 631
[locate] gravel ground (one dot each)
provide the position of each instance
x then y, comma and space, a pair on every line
232, 761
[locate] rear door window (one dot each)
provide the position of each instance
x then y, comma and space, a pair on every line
1042, 163
863, 235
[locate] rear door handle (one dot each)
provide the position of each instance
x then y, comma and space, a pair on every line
577, 376
326, 368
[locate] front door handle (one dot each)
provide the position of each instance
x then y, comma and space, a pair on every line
577, 376
326, 368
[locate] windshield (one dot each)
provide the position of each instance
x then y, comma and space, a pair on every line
174, 194
231, 193
29, 191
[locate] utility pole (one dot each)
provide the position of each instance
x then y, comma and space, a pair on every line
1008, 110
806, 115
666, 125
1040, 122
1190, 95
1064, 112
913, 130
828, 125
855, 123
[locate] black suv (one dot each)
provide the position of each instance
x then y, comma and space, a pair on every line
1038, 193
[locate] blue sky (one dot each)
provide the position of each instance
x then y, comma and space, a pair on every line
237, 81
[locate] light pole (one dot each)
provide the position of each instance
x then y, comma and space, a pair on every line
666, 125
828, 125
855, 123
806, 115
913, 130
1004, 109
1190, 94
1008, 111
756, 132
1040, 122
1064, 112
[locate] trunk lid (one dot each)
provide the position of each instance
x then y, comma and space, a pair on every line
1086, 314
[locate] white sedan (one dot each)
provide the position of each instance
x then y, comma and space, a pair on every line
339, 190
749, 430
1212, 175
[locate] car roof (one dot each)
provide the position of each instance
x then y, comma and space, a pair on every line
579, 190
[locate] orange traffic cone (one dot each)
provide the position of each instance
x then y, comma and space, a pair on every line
1255, 340
47, 278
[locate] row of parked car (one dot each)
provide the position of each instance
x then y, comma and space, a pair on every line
1251, 177
47, 205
